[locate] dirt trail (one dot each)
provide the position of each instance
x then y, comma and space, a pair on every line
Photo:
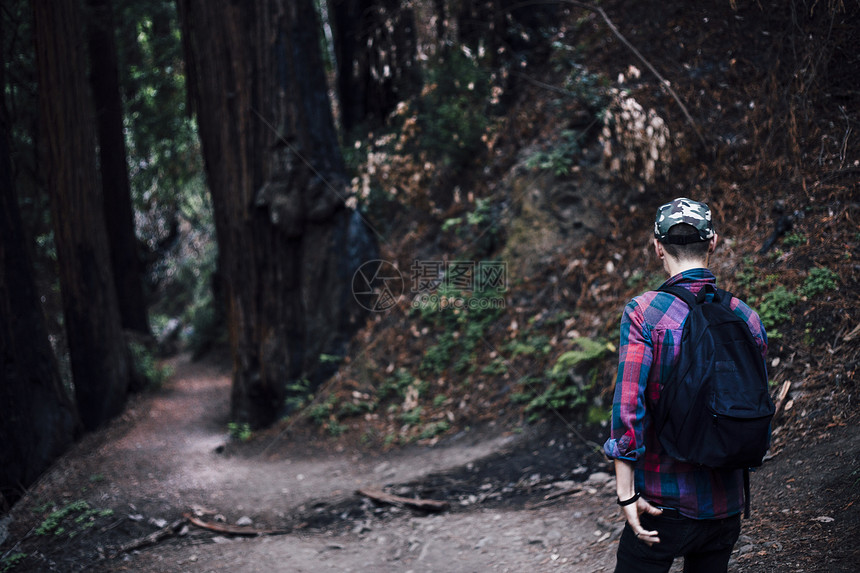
167, 455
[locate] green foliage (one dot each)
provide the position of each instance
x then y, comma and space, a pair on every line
774, 308
561, 157
438, 356
51, 524
597, 415
298, 394
166, 171
587, 88
329, 413
163, 149
557, 396
747, 276
774, 301
481, 216
396, 385
818, 281
335, 428
496, 367
357, 408
71, 520
564, 387
794, 240
434, 429
185, 277
462, 319
411, 417
10, 561
321, 412
454, 108
530, 345
589, 350
480, 228
147, 367
240, 431
810, 333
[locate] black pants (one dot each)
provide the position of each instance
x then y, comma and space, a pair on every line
706, 544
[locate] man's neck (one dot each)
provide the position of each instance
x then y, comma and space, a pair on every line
674, 267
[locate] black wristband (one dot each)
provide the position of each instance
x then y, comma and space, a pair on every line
628, 501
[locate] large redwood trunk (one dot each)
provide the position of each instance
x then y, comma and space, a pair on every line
288, 246
97, 351
126, 264
37, 418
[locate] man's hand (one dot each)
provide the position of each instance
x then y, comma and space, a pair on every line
625, 489
632, 513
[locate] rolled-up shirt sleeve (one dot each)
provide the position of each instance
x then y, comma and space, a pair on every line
635, 351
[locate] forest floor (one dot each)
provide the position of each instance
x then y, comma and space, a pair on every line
150, 493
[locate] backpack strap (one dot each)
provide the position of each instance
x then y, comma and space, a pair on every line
667, 395
720, 296
682, 293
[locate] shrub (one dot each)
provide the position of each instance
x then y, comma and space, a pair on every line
566, 386
774, 307
794, 240
560, 158
146, 367
72, 519
10, 561
239, 431
818, 281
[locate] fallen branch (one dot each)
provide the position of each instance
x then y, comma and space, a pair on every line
548, 498
232, 529
780, 398
396, 500
153, 538
568, 491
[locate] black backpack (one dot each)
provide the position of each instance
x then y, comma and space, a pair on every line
715, 408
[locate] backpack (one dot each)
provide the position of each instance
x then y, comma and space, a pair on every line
715, 408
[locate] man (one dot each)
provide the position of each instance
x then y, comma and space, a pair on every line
672, 508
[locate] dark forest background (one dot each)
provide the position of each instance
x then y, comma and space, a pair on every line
208, 177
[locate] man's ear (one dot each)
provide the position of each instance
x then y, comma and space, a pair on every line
712, 245
658, 249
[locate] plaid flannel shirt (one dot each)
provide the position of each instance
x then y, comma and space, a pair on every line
651, 327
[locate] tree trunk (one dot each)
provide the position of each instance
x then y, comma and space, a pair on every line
288, 246
97, 351
37, 418
119, 215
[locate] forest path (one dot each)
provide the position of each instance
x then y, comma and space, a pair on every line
170, 453
164, 459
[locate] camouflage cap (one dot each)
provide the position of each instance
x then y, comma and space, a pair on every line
683, 210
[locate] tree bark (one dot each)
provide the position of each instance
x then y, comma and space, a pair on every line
97, 351
37, 418
126, 264
288, 246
